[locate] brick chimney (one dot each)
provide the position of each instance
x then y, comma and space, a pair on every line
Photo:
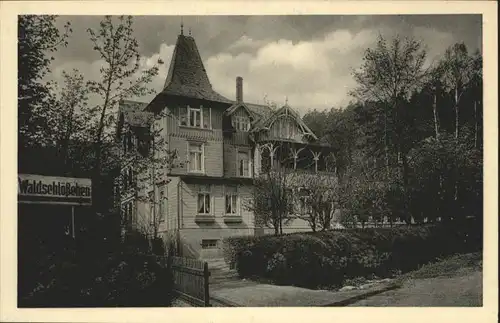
239, 89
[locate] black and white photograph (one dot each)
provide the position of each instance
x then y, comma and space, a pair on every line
285, 160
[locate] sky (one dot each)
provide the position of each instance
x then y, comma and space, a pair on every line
304, 60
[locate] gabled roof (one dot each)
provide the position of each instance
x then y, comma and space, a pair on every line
187, 75
134, 114
260, 111
229, 111
266, 122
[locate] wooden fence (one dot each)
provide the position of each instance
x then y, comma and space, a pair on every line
191, 280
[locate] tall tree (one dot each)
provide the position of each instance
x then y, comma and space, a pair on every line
121, 74
71, 116
477, 93
457, 73
389, 74
38, 39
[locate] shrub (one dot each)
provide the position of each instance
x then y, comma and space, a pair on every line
73, 277
331, 257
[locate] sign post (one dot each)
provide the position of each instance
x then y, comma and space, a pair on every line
39, 189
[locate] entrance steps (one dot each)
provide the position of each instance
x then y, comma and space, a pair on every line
220, 271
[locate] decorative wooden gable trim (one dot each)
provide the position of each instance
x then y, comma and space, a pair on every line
235, 107
287, 112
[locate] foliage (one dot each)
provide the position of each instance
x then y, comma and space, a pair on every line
330, 257
71, 118
121, 74
446, 179
389, 71
339, 129
391, 168
272, 199
38, 38
87, 273
457, 72
449, 266
151, 161
316, 200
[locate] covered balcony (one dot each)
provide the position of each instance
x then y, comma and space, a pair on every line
296, 157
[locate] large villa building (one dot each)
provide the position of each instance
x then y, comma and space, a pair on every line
221, 145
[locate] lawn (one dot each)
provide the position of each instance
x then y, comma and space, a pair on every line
453, 266
454, 281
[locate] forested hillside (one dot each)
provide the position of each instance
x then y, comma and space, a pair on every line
409, 146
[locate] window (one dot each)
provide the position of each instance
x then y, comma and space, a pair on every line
204, 200
241, 123
207, 119
231, 200
196, 157
304, 199
194, 117
243, 164
209, 243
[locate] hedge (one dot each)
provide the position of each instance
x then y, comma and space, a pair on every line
73, 275
329, 258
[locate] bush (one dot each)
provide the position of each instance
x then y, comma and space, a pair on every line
331, 257
72, 276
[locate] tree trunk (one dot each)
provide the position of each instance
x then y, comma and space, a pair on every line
436, 121
456, 114
100, 130
281, 224
386, 143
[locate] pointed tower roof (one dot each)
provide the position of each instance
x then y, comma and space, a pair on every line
187, 75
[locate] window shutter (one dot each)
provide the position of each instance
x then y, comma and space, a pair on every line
202, 125
210, 118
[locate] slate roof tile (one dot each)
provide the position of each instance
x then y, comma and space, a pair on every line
187, 75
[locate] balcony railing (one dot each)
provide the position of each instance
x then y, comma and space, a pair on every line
303, 171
